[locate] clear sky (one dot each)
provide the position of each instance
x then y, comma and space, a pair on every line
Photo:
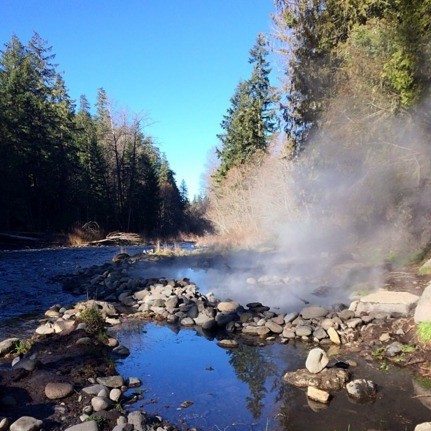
178, 61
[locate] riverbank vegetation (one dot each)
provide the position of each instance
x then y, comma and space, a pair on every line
350, 160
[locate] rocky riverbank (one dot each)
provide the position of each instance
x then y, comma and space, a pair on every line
65, 378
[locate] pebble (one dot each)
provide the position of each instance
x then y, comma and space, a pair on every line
56, 390
27, 364
313, 312
274, 327
93, 389
26, 423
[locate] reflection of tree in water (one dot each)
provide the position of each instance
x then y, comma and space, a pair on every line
253, 368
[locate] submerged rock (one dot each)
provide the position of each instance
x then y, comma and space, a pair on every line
361, 389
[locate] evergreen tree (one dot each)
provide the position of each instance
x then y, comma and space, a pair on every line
250, 120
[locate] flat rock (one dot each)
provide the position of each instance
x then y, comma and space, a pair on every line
93, 389
423, 309
330, 379
111, 381
227, 306
303, 330
56, 390
26, 423
226, 343
392, 303
333, 336
317, 360
313, 312
274, 327
46, 329
85, 426
318, 395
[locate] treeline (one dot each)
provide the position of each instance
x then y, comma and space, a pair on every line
61, 165
341, 147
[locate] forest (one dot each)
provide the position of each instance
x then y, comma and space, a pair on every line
341, 145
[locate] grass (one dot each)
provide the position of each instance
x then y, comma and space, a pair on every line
22, 347
93, 319
423, 331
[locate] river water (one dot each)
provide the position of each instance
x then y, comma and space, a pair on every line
230, 390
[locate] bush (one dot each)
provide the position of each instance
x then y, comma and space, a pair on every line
93, 319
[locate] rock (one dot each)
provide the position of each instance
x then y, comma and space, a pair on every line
328, 323
133, 382
318, 395
227, 306
56, 390
425, 269
93, 389
385, 337
316, 361
333, 336
187, 321
104, 393
111, 381
121, 350
290, 317
115, 394
262, 331
100, 403
209, 325
84, 341
46, 329
319, 333
313, 312
392, 303
354, 323
274, 327
6, 346
346, 314
223, 319
288, 333
85, 426
4, 424
137, 419
361, 389
424, 426
27, 364
330, 379
26, 423
423, 309
394, 349
303, 330
229, 344
64, 326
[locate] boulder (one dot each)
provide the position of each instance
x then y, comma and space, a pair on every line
330, 379
361, 389
387, 302
423, 308
316, 361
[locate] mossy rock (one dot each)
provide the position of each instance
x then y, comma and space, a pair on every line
425, 269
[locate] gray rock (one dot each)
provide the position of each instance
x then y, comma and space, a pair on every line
93, 389
137, 419
187, 321
6, 346
133, 382
361, 389
26, 423
319, 333
317, 360
27, 364
328, 323
290, 317
303, 330
85, 426
209, 325
333, 336
223, 319
394, 349
171, 302
423, 309
330, 379
288, 333
354, 323
100, 403
274, 327
104, 393
391, 303
57, 390
313, 312
111, 381
227, 306
346, 314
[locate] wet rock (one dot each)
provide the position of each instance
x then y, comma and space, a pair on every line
121, 350
313, 312
223, 319
209, 325
227, 306
333, 336
249, 329
423, 308
361, 389
56, 390
26, 423
111, 381
85, 426
133, 382
229, 344
330, 379
101, 403
318, 395
316, 361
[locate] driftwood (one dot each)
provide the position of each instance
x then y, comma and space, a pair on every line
115, 238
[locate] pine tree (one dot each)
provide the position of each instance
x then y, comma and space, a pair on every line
250, 120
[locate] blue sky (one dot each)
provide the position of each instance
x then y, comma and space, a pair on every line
176, 60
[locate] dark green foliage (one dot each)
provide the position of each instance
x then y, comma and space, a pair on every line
250, 121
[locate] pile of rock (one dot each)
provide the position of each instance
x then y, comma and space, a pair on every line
321, 380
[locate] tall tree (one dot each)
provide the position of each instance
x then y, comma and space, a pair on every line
250, 120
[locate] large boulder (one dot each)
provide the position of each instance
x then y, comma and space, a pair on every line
423, 309
391, 303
